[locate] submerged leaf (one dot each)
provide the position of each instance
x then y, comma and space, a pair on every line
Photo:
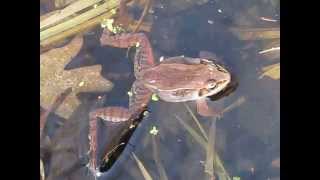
54, 79
272, 71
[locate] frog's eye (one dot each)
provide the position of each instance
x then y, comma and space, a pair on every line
211, 84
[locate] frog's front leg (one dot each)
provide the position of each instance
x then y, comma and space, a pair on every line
110, 114
204, 110
144, 55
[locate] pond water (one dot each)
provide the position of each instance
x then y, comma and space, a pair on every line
246, 139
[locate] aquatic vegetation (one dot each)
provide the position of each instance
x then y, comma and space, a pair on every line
142, 168
189, 146
272, 71
81, 16
156, 157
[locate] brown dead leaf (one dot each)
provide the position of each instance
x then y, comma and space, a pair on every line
54, 79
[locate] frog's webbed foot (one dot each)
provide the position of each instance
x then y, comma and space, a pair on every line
109, 114
204, 110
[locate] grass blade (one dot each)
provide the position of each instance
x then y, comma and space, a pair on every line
210, 150
192, 132
235, 104
204, 134
142, 168
162, 171
66, 12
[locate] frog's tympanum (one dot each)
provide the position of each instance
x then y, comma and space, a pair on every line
176, 79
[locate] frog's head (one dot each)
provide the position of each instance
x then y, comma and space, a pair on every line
217, 79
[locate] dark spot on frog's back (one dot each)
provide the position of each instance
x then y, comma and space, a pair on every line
182, 92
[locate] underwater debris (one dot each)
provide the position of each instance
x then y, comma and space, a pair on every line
142, 168
156, 157
272, 71
58, 101
255, 33
54, 79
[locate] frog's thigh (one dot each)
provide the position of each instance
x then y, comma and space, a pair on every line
181, 60
204, 110
140, 96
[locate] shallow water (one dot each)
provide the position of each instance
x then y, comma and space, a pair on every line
247, 138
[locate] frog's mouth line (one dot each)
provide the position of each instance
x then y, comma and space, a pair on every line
216, 89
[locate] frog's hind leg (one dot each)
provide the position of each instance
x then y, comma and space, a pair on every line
204, 110
118, 116
139, 99
113, 115
144, 55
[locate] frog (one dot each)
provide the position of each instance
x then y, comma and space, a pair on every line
174, 79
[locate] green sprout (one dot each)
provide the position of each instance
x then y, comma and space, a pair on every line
108, 23
155, 97
236, 178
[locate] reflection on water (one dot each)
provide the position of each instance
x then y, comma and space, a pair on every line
247, 137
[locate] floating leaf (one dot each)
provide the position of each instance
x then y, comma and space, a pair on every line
272, 71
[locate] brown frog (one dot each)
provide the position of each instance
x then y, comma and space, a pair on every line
176, 79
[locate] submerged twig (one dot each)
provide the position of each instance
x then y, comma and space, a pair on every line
235, 104
58, 101
256, 33
210, 150
162, 171
219, 168
269, 50
144, 13
142, 168
194, 134
196, 121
